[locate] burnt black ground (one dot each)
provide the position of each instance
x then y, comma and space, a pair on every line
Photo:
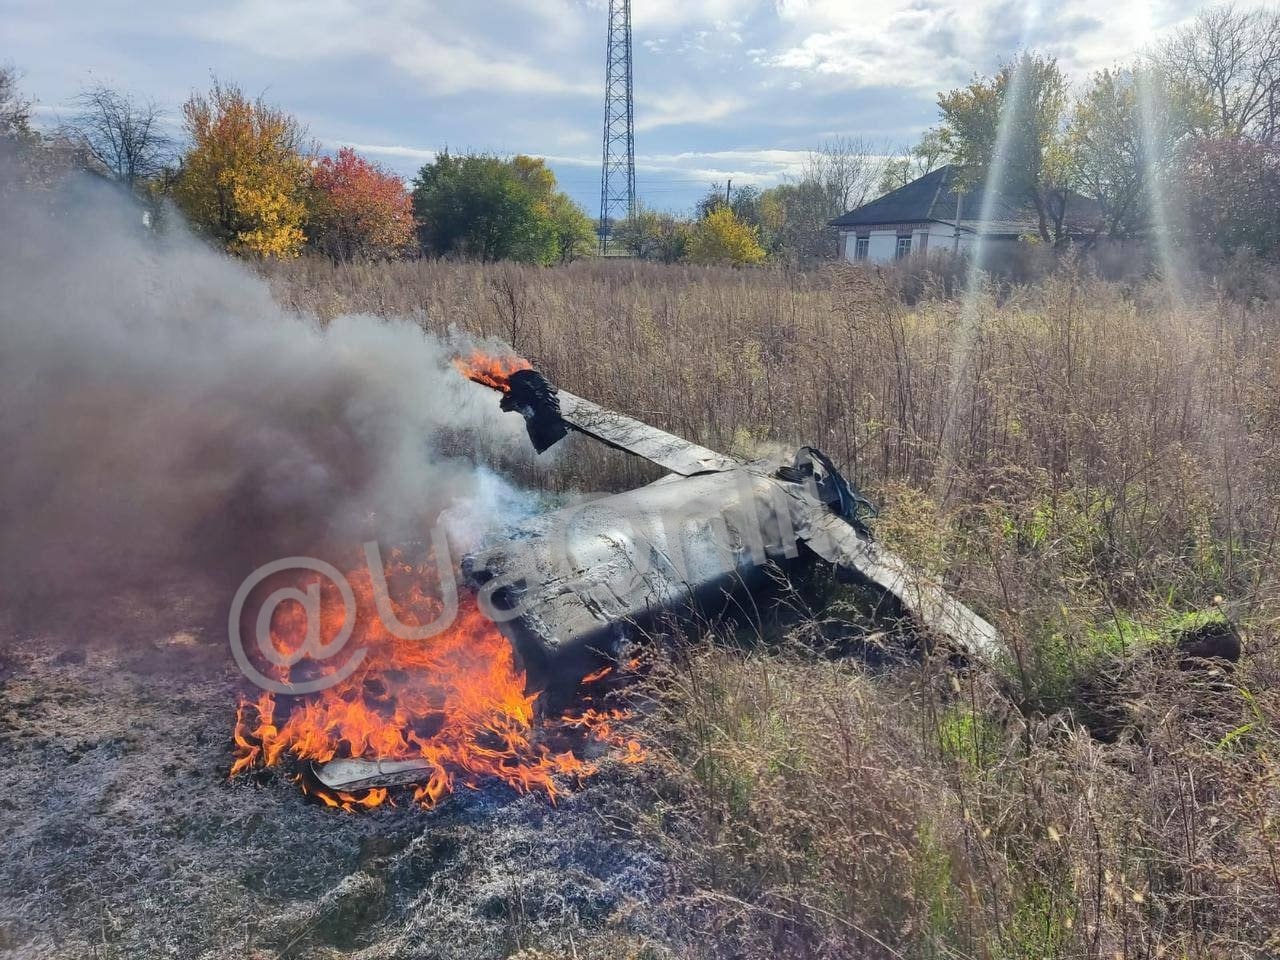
120, 835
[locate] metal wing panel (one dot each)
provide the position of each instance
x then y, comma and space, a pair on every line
836, 542
623, 433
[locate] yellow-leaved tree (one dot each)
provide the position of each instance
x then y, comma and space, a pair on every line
244, 178
721, 237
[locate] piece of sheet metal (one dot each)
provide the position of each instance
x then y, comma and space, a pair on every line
838, 543
353, 775
624, 433
570, 585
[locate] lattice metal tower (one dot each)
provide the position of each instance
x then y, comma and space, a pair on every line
618, 167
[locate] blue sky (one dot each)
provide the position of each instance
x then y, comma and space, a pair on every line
737, 89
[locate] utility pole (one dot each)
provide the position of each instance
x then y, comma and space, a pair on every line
618, 165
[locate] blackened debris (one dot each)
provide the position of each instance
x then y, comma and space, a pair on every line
534, 398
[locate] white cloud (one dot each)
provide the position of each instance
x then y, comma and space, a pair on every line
743, 167
685, 107
773, 159
452, 68
927, 46
448, 47
667, 14
387, 150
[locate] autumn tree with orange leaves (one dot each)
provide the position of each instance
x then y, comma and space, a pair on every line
244, 179
358, 210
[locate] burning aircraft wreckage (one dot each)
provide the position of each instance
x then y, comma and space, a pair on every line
567, 592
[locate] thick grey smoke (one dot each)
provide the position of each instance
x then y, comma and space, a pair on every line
159, 411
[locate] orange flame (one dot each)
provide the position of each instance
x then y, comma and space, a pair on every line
489, 370
456, 700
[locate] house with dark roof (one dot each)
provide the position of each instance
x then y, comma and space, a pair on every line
937, 213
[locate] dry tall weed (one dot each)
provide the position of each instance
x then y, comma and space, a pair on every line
1092, 466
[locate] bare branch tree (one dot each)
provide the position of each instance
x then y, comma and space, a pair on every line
1231, 57
908, 164
928, 153
849, 170
123, 134
15, 110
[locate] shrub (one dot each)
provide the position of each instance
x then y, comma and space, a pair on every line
358, 210
244, 179
721, 238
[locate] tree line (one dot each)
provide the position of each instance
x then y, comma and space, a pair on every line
1184, 140
248, 178
787, 223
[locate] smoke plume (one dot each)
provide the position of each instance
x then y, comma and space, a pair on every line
160, 412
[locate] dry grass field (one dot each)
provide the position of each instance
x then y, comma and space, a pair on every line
1094, 466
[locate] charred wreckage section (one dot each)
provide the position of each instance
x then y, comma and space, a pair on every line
570, 588
567, 587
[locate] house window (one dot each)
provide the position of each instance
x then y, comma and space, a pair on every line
904, 247
860, 247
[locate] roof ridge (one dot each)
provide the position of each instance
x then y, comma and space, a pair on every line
917, 201
938, 189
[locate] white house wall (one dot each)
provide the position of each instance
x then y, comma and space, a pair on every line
848, 245
942, 239
883, 246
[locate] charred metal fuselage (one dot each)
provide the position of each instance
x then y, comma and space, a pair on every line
569, 587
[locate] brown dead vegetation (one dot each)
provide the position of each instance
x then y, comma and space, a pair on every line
1093, 466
